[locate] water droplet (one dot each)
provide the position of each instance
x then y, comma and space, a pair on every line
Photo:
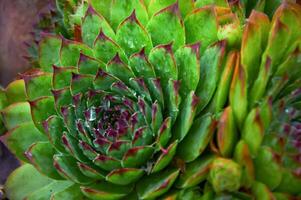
92, 114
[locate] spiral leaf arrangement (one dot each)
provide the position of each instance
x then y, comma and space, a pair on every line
160, 100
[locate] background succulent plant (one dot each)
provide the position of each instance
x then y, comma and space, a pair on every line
151, 100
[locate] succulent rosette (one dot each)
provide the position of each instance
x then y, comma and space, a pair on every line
160, 100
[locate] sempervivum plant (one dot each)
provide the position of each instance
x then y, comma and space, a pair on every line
159, 100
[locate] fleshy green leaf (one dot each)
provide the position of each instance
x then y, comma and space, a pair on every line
62, 76
54, 128
211, 62
243, 157
261, 191
15, 92
41, 109
47, 191
253, 131
22, 137
155, 6
102, 7
16, 114
132, 36
119, 69
122, 9
106, 48
49, 52
172, 98
38, 85
189, 194
222, 92
188, 64
81, 83
91, 172
239, 94
254, 38
3, 98
186, 116
164, 133
201, 3
106, 191
40, 154
94, 23
89, 65
165, 158
226, 135
72, 192
124, 176
197, 138
67, 168
162, 58
18, 187
290, 183
267, 170
103, 80
70, 52
137, 156
195, 172
157, 184
186, 6
141, 65
207, 33
173, 31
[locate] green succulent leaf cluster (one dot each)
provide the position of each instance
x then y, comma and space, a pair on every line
160, 100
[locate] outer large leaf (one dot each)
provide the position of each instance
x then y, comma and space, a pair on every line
41, 109
49, 52
207, 33
94, 23
71, 51
15, 91
122, 9
38, 85
132, 36
155, 6
102, 7
20, 138
201, 3
16, 114
40, 154
173, 30
17, 186
45, 192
